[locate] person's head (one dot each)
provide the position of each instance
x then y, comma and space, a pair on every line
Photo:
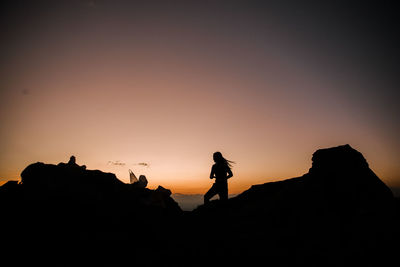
219, 159
72, 159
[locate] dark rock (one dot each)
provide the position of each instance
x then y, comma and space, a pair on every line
73, 181
344, 175
9, 186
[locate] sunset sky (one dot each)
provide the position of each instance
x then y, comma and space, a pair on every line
167, 83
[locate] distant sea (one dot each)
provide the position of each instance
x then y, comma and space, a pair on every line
188, 202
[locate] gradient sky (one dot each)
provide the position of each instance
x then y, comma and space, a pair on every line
170, 82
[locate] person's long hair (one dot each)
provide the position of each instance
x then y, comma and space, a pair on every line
218, 158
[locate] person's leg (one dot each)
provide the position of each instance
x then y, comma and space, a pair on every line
223, 191
210, 193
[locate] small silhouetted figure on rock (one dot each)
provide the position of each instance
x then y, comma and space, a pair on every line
72, 163
221, 171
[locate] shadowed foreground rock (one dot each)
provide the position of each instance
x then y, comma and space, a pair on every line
67, 215
338, 214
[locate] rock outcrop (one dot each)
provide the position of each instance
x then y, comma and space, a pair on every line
339, 180
72, 214
74, 182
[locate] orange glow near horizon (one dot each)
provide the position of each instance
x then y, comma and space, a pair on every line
170, 90
193, 177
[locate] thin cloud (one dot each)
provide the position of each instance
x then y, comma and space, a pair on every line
120, 163
116, 163
144, 164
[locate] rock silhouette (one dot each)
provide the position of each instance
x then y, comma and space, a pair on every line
338, 214
64, 214
72, 182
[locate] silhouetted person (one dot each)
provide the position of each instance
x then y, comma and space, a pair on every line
72, 163
221, 171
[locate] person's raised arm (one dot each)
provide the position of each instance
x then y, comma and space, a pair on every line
230, 174
212, 174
